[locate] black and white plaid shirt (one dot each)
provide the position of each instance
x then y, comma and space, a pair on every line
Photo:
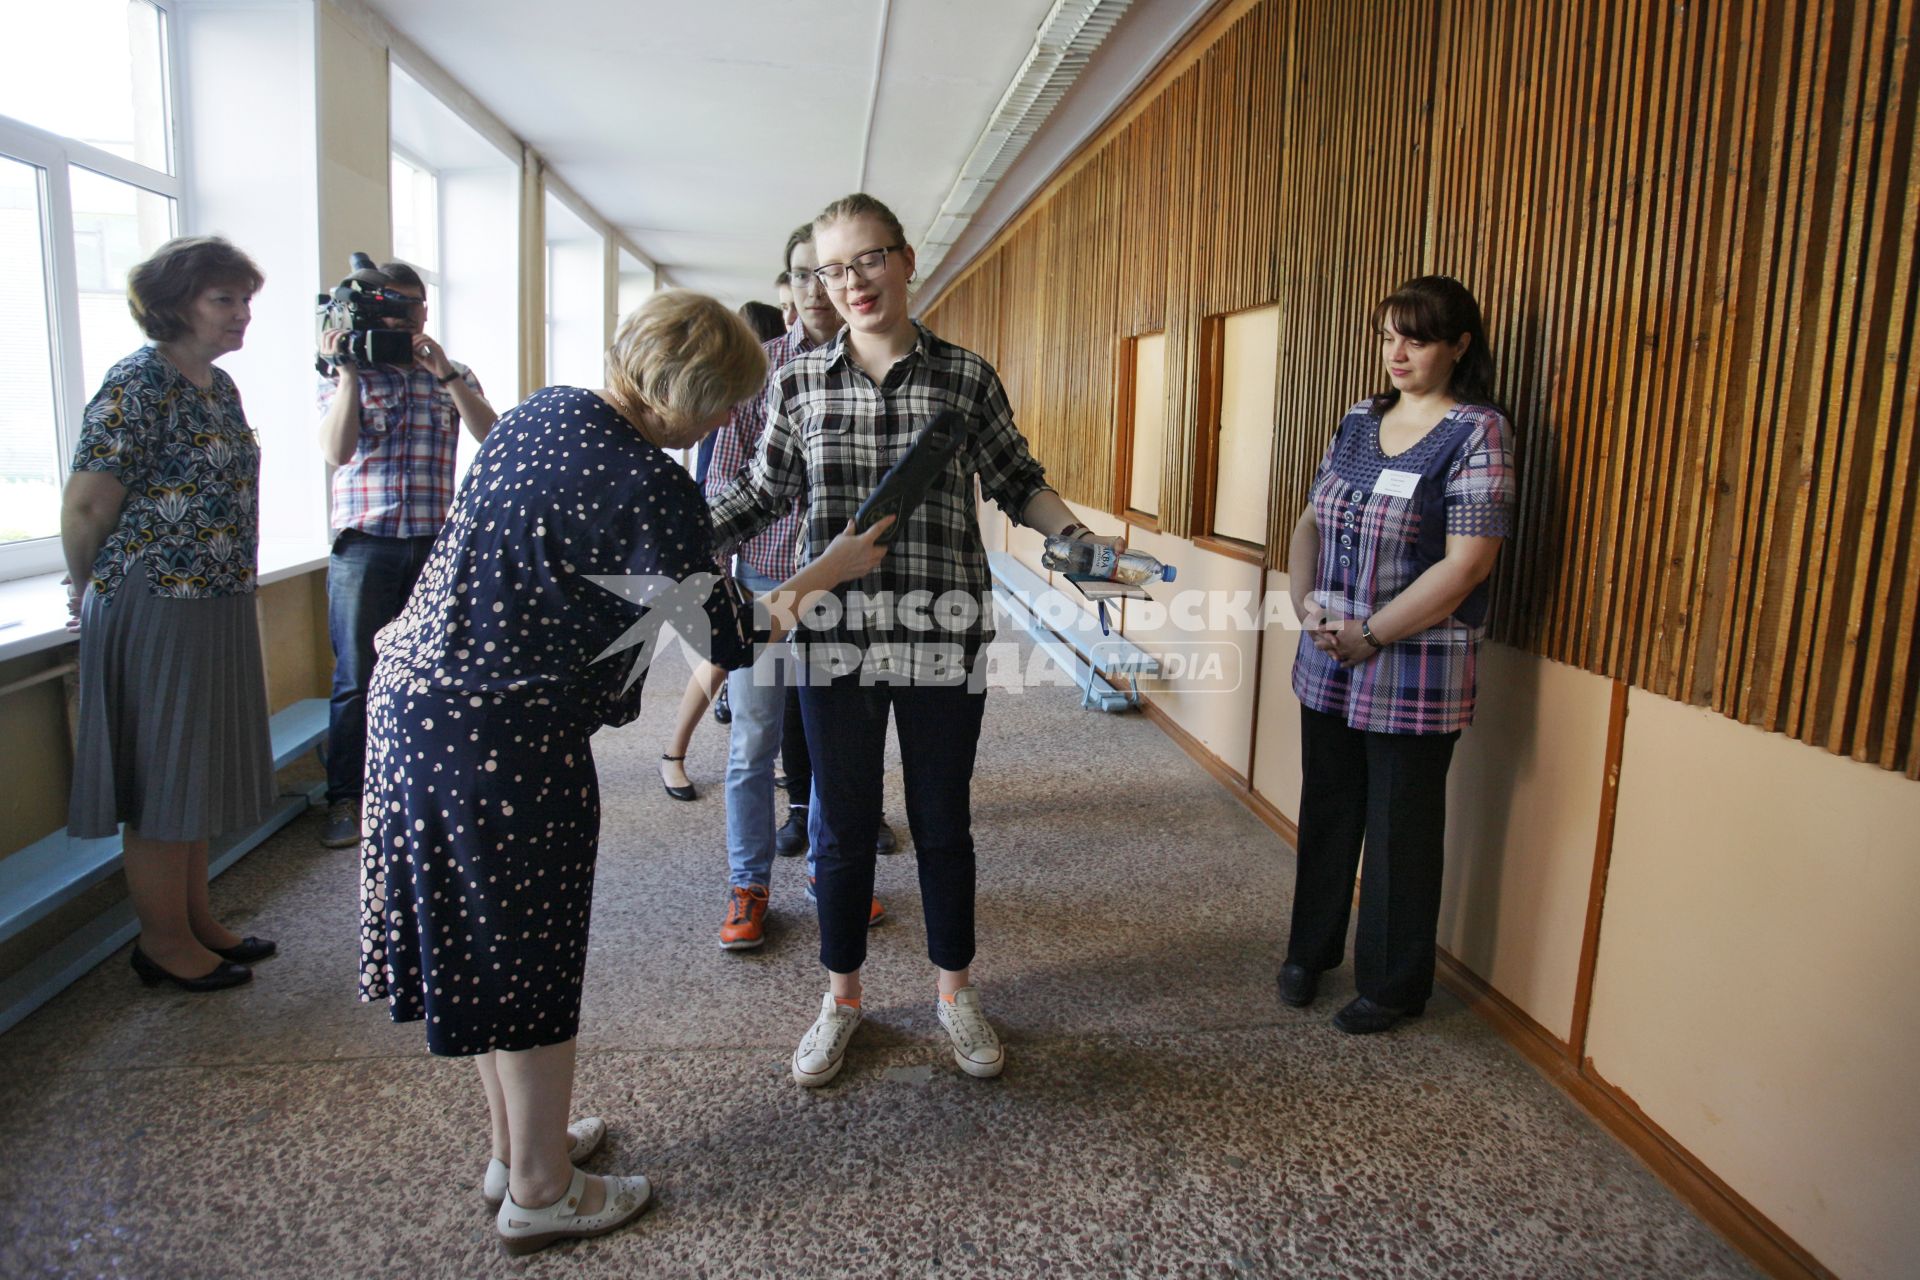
831, 434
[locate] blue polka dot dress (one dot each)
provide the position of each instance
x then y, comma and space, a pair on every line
482, 812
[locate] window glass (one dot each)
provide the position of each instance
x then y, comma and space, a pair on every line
1149, 422
416, 216
30, 465
115, 227
93, 70
1251, 341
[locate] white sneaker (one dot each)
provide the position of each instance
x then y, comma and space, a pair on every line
523, 1230
585, 1134
818, 1058
975, 1047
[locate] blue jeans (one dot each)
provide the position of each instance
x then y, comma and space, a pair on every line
939, 731
368, 581
758, 696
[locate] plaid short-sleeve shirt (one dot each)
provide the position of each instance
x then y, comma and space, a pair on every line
832, 433
1382, 522
399, 482
770, 552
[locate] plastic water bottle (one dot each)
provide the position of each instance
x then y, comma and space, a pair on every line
1097, 560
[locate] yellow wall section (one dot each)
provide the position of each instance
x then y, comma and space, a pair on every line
1755, 993
1523, 808
355, 158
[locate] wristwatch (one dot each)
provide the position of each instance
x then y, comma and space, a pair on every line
1074, 531
449, 378
1366, 633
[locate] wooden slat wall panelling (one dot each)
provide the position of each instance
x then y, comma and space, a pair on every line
1857, 428
1692, 230
1702, 608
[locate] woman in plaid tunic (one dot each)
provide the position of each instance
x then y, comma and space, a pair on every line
1388, 573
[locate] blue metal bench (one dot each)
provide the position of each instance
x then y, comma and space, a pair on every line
1099, 663
50, 873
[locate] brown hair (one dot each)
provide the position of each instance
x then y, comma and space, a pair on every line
684, 357
857, 205
161, 289
1440, 309
763, 319
801, 235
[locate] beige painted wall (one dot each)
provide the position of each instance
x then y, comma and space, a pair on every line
355, 156
1250, 344
1221, 718
1755, 993
1276, 755
1149, 422
1523, 810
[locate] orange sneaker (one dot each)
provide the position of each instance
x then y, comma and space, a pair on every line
746, 924
875, 914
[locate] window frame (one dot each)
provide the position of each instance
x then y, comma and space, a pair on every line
1206, 445
53, 154
1126, 384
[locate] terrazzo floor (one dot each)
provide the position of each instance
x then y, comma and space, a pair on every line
1161, 1115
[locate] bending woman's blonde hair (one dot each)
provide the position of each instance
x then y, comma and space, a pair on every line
684, 357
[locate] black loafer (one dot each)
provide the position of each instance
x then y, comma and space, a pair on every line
248, 950
886, 841
1298, 985
722, 710
225, 974
1365, 1018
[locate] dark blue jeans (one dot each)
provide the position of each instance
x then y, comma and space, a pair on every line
368, 581
939, 729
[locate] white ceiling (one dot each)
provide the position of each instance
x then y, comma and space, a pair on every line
707, 131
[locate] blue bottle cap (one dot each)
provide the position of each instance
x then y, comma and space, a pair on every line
1166, 573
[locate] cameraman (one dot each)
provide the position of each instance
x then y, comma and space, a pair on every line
392, 431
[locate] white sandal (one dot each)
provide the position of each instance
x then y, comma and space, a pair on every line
525, 1230
587, 1133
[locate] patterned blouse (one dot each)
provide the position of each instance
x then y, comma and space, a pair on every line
832, 433
191, 467
1383, 521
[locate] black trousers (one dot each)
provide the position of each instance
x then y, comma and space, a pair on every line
938, 728
793, 750
1388, 793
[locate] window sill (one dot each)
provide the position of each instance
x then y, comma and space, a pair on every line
33, 611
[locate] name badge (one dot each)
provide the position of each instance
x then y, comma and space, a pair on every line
1397, 484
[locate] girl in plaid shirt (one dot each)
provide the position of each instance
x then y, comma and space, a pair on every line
838, 417
1388, 573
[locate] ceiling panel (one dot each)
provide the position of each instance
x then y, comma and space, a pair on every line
706, 132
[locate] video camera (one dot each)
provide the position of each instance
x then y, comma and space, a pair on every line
358, 305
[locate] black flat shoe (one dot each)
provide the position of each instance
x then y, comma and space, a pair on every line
226, 974
722, 709
1365, 1018
885, 841
791, 839
1298, 985
247, 950
678, 793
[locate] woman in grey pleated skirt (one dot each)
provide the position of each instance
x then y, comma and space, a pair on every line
160, 524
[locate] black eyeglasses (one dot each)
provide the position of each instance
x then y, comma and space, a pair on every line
833, 275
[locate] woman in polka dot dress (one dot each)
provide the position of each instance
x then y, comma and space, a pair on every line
482, 810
